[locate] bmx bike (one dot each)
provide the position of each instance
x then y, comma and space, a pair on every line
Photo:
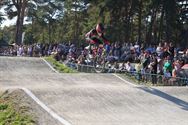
97, 58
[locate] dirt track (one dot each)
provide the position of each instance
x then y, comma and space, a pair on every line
95, 99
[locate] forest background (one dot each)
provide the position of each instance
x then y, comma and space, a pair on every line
58, 21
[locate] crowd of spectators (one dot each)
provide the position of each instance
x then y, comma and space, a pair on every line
163, 59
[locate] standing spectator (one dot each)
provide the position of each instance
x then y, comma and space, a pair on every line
186, 57
81, 59
159, 50
153, 64
117, 51
138, 67
137, 48
165, 46
30, 51
145, 61
171, 51
20, 51
166, 51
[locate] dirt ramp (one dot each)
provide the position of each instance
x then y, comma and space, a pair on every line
23, 65
23, 104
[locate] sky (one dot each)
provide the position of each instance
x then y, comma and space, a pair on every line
8, 22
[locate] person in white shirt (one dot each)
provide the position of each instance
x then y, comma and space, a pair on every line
129, 67
159, 49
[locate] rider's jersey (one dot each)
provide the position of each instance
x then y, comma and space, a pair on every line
93, 38
91, 33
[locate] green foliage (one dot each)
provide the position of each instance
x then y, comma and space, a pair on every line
59, 66
125, 20
9, 115
3, 106
7, 34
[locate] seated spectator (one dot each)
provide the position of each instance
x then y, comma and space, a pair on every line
111, 58
116, 66
122, 67
113, 67
81, 59
129, 67
173, 80
177, 65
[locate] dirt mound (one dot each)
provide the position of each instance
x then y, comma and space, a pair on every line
25, 106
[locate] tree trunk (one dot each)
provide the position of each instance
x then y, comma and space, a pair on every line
160, 35
150, 30
17, 29
129, 11
167, 30
140, 21
49, 31
131, 30
21, 6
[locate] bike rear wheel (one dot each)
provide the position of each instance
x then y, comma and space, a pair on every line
99, 64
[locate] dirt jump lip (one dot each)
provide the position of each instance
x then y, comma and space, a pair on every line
45, 107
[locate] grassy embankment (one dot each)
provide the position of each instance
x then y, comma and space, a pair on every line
14, 114
60, 67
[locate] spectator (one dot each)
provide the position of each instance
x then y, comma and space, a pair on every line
81, 59
167, 76
153, 65
171, 50
173, 80
117, 51
167, 66
138, 68
129, 67
122, 67
159, 50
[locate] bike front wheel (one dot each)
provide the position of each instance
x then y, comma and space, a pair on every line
99, 64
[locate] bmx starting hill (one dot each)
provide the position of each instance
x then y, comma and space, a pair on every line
93, 99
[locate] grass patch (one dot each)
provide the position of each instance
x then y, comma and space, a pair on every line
10, 114
62, 68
